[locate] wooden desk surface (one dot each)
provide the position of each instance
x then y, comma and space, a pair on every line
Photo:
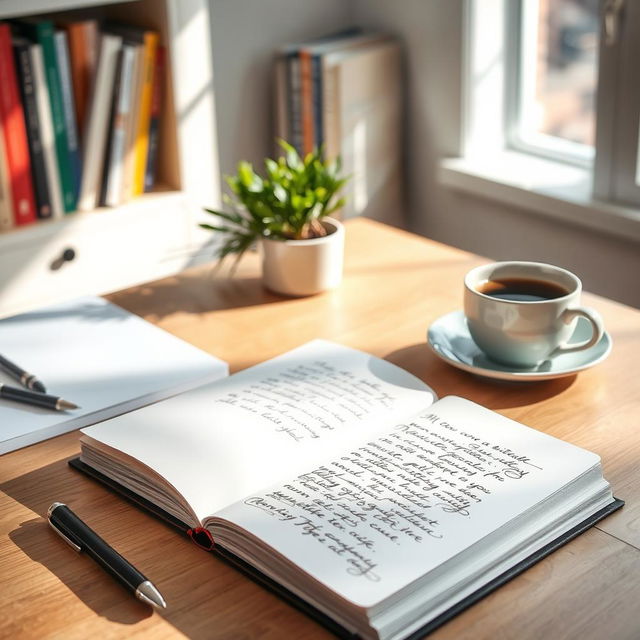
395, 285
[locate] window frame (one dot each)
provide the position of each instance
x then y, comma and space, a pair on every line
617, 159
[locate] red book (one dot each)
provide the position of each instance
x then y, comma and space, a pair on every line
14, 130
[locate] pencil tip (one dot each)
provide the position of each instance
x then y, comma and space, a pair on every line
65, 404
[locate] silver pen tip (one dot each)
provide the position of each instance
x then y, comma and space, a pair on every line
147, 593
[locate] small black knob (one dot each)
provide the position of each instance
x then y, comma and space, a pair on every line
67, 255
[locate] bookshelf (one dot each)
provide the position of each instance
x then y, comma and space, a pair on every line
155, 234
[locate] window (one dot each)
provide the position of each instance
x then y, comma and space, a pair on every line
555, 78
558, 79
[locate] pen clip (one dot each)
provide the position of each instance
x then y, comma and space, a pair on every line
64, 537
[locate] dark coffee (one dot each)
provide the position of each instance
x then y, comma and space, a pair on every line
522, 289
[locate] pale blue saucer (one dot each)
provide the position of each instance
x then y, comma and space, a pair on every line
449, 339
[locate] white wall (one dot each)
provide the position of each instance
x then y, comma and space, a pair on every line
245, 35
430, 30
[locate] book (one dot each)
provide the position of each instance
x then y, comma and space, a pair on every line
99, 356
96, 135
120, 124
131, 127
149, 40
24, 69
295, 102
42, 33
111, 128
154, 123
47, 136
341, 482
13, 129
297, 98
61, 43
367, 97
343, 95
138, 149
317, 92
83, 49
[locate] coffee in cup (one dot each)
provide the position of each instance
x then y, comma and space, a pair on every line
522, 313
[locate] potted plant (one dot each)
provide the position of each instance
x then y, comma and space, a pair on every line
287, 213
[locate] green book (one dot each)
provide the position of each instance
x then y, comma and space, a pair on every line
42, 32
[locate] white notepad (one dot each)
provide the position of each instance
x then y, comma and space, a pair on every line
99, 356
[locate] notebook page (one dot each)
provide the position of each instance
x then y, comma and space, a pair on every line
220, 442
369, 521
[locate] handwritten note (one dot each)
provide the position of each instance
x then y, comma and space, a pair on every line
304, 400
396, 506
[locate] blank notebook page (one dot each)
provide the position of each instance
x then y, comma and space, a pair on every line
99, 356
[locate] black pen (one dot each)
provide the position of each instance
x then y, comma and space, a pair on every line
25, 378
38, 399
82, 538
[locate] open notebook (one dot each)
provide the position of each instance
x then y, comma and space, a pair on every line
340, 481
99, 356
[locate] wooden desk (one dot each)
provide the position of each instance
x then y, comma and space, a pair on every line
395, 285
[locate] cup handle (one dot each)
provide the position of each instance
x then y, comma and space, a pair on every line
597, 326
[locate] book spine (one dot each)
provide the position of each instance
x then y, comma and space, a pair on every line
34, 137
69, 109
111, 127
132, 125
144, 113
295, 105
6, 204
47, 138
98, 118
14, 131
120, 126
306, 93
318, 125
331, 111
44, 36
82, 58
154, 125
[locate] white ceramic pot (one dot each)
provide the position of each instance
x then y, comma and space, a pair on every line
304, 267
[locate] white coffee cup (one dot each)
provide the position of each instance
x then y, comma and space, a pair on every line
524, 333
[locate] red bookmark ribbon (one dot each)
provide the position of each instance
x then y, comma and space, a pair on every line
201, 537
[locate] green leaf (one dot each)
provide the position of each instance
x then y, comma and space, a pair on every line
286, 203
211, 227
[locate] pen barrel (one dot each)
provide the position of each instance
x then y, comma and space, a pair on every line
94, 546
29, 397
11, 368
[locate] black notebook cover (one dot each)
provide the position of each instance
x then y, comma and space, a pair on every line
314, 613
